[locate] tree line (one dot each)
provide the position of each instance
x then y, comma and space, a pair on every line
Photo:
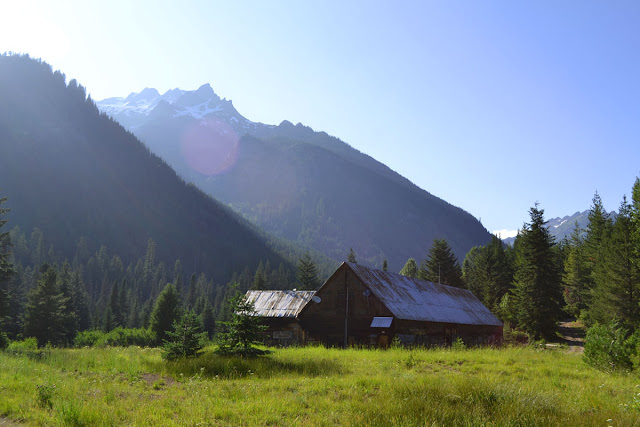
594, 275
45, 296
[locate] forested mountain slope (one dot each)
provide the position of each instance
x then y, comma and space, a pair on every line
74, 172
303, 185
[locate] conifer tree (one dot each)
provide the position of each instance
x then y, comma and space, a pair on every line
6, 271
352, 256
537, 280
441, 265
80, 301
575, 277
208, 320
385, 265
70, 316
191, 294
307, 274
410, 269
635, 220
165, 312
595, 251
113, 307
244, 330
259, 279
184, 339
45, 310
617, 297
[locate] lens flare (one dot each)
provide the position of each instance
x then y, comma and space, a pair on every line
210, 146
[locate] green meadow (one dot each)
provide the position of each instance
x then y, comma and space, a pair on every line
520, 386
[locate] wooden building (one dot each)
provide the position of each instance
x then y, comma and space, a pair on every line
363, 306
279, 310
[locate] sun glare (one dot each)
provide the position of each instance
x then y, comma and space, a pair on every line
25, 28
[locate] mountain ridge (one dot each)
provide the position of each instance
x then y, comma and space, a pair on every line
74, 172
294, 190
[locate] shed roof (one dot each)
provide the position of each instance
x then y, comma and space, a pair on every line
279, 303
414, 299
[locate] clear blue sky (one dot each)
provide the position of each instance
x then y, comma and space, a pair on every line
489, 105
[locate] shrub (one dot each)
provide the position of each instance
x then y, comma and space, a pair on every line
44, 395
609, 347
28, 345
119, 337
458, 344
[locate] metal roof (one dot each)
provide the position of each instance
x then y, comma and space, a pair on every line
381, 322
279, 303
414, 299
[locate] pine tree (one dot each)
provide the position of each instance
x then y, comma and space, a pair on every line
45, 310
259, 279
80, 301
191, 294
441, 266
208, 320
307, 273
635, 220
6, 271
410, 269
185, 338
165, 312
113, 307
496, 272
385, 265
352, 256
595, 251
575, 277
537, 280
618, 296
70, 316
243, 330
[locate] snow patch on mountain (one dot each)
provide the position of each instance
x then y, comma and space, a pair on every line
133, 110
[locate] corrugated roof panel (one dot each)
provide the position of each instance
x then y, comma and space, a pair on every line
381, 322
279, 303
414, 299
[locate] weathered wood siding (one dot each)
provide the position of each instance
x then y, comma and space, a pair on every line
325, 321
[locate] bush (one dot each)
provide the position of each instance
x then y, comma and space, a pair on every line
28, 345
609, 347
119, 337
458, 344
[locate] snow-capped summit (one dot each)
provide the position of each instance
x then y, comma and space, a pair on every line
137, 108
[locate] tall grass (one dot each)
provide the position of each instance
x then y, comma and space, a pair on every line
317, 386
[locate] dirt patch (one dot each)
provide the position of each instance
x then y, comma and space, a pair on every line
573, 333
156, 379
5, 422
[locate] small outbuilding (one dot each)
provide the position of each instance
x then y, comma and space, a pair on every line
279, 311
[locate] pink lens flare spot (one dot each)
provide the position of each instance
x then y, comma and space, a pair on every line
210, 146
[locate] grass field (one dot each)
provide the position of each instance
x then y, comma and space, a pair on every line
315, 386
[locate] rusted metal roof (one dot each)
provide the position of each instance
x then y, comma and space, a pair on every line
414, 299
381, 322
279, 303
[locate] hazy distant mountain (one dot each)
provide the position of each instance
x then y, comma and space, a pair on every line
303, 185
74, 172
563, 227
